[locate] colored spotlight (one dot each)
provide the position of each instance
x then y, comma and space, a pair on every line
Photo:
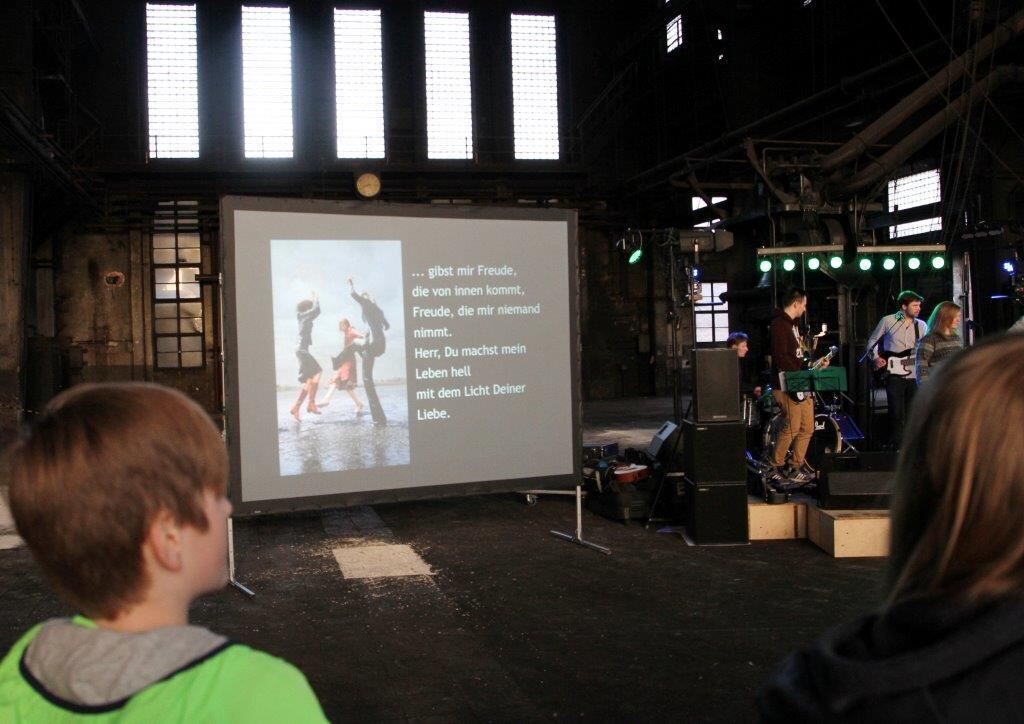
938, 262
765, 265
636, 255
913, 263
788, 265
864, 264
814, 262
888, 263
835, 261
1009, 267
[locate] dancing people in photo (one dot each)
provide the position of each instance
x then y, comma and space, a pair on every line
378, 323
309, 369
345, 375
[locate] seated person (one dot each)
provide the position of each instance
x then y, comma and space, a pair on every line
740, 342
947, 644
119, 493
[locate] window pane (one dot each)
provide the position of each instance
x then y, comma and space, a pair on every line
191, 309
165, 310
164, 256
188, 240
674, 34
722, 320
704, 320
191, 344
166, 344
192, 359
267, 81
189, 326
916, 227
166, 326
705, 335
188, 291
915, 190
188, 256
163, 241
449, 91
359, 83
172, 81
166, 291
187, 274
534, 86
163, 276
167, 360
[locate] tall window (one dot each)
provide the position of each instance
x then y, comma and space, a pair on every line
534, 86
359, 83
674, 33
267, 81
711, 313
177, 299
910, 192
697, 203
449, 93
172, 80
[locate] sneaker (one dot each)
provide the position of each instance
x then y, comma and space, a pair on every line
797, 475
806, 468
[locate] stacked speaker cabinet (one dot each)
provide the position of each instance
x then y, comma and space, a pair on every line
714, 452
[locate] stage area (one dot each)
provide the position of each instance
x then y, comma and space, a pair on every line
511, 624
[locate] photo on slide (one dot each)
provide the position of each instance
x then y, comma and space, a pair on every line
339, 346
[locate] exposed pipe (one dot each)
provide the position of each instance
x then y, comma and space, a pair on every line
783, 196
894, 157
896, 115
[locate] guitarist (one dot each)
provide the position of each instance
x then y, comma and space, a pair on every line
798, 415
897, 335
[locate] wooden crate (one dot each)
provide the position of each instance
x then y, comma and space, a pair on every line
785, 521
849, 533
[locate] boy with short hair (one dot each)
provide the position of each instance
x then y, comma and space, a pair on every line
119, 492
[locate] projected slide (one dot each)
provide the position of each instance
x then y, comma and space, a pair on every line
381, 352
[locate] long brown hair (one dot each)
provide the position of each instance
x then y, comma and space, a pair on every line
942, 318
959, 507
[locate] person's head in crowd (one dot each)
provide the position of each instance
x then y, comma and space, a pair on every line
304, 306
910, 303
740, 342
945, 318
958, 510
794, 302
118, 490
344, 324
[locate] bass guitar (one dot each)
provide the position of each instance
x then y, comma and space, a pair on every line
901, 364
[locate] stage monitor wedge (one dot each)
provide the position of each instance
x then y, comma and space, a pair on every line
449, 365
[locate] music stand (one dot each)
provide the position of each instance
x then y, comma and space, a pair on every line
830, 379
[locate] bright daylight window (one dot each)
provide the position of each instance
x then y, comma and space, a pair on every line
449, 93
359, 83
267, 81
912, 191
534, 86
697, 203
711, 313
674, 33
172, 81
177, 297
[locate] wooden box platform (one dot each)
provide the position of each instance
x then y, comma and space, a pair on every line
785, 521
849, 533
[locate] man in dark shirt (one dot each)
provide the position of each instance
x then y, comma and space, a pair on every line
798, 415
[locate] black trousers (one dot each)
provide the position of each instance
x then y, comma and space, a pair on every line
899, 392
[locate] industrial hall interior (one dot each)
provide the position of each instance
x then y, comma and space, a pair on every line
511, 360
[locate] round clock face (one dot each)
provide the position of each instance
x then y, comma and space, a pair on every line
368, 185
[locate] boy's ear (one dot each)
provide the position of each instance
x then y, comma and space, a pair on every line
164, 541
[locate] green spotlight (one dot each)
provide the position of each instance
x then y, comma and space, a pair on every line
636, 255
938, 262
835, 261
864, 263
788, 265
888, 263
913, 263
765, 266
813, 263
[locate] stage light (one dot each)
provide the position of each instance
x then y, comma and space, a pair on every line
765, 265
913, 263
813, 263
788, 265
864, 263
1010, 267
938, 262
888, 263
835, 261
636, 255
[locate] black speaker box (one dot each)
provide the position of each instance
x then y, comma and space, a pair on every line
664, 446
862, 481
714, 451
715, 513
716, 384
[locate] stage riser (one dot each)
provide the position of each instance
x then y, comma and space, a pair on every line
840, 533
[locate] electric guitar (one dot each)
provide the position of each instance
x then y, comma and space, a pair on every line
901, 364
803, 395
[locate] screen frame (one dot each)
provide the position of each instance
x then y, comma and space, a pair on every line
229, 346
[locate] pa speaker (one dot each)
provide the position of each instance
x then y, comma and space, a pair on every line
665, 443
716, 384
858, 482
715, 513
714, 450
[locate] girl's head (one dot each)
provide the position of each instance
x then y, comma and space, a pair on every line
945, 317
959, 507
343, 325
304, 306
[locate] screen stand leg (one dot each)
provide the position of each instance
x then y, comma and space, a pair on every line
577, 537
231, 562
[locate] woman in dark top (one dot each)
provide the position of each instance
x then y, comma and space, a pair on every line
309, 369
942, 340
948, 642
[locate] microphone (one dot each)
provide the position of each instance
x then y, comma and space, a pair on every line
899, 316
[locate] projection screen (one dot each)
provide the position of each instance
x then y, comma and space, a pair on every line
378, 352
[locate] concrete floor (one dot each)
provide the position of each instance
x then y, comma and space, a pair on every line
513, 624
